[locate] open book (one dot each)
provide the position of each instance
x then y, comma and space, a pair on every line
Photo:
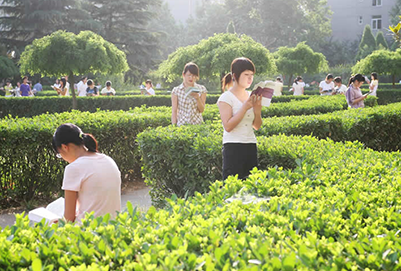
53, 212
266, 89
191, 89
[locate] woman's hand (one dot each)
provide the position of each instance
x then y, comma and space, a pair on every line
257, 105
249, 103
195, 95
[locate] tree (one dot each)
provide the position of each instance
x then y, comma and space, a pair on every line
7, 68
64, 53
367, 44
299, 60
124, 23
395, 13
214, 57
381, 42
23, 21
231, 28
382, 62
396, 30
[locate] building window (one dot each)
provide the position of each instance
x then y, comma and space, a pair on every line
377, 22
376, 3
360, 20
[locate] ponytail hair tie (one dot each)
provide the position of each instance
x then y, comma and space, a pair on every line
81, 135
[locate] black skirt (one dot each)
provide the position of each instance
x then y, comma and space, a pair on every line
239, 158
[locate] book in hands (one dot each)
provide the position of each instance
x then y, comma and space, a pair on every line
266, 89
53, 212
191, 89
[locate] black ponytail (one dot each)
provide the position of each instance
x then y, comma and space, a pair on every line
297, 79
226, 81
70, 133
357, 77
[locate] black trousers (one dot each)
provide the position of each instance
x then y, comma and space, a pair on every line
239, 158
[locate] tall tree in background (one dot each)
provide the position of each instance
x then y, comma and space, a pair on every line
124, 23
367, 44
395, 13
381, 42
23, 21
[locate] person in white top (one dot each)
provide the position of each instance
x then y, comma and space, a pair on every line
326, 87
108, 90
279, 82
92, 181
374, 84
149, 88
298, 86
240, 114
62, 90
67, 85
82, 86
339, 87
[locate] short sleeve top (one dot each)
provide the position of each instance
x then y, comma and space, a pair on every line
352, 94
187, 112
243, 133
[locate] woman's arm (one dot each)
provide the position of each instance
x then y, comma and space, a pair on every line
359, 99
63, 92
229, 121
174, 108
200, 100
70, 205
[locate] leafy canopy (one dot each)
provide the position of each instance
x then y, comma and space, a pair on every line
63, 53
7, 68
214, 56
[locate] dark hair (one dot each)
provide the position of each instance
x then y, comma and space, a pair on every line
25, 77
63, 81
70, 133
338, 79
238, 66
279, 79
149, 82
108, 84
357, 77
192, 68
329, 76
8, 81
374, 75
83, 78
89, 82
227, 80
297, 79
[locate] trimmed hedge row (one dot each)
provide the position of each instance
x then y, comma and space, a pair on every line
28, 106
29, 168
186, 159
336, 210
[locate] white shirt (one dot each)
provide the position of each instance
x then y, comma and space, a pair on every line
150, 91
298, 88
327, 88
341, 90
105, 91
81, 88
374, 83
276, 91
243, 133
97, 180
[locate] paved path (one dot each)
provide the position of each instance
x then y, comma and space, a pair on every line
140, 198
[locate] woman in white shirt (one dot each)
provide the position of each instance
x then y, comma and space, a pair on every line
374, 84
326, 87
92, 181
339, 87
149, 88
298, 86
240, 114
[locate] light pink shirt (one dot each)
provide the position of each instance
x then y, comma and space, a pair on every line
97, 180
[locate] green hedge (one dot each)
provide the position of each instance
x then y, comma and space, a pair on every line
29, 168
336, 210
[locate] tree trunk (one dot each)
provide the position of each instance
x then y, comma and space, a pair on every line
74, 98
393, 80
289, 82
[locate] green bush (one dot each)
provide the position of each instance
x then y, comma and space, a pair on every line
336, 210
29, 168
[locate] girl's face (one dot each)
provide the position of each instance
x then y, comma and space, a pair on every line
18, 84
330, 80
372, 77
245, 79
64, 152
25, 80
189, 78
337, 84
148, 85
358, 84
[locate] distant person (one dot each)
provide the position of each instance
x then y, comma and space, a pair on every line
374, 84
67, 85
56, 84
82, 86
354, 94
62, 90
298, 86
8, 89
25, 89
279, 91
91, 90
326, 87
17, 90
149, 88
339, 87
188, 99
227, 82
108, 90
158, 86
37, 87
92, 180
